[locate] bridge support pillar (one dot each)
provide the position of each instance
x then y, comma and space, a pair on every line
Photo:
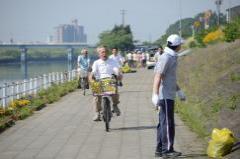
70, 53
23, 54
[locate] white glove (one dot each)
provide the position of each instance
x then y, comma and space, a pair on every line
155, 99
181, 95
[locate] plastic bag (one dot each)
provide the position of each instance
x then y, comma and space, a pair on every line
221, 143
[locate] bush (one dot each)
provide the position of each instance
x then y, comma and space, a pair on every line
192, 44
38, 104
213, 36
24, 113
232, 31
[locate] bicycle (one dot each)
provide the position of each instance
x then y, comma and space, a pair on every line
83, 80
105, 88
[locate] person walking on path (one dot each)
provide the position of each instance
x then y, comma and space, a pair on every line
164, 91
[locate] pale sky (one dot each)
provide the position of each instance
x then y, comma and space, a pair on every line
34, 20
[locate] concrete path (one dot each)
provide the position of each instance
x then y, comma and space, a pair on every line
65, 130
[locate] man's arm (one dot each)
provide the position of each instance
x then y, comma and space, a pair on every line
177, 88
156, 83
180, 93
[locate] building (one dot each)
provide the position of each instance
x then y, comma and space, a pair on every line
233, 13
70, 33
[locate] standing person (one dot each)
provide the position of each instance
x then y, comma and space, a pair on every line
117, 57
104, 67
158, 53
130, 59
143, 59
83, 62
164, 91
135, 58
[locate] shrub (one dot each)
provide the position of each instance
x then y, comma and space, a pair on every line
38, 104
192, 44
232, 31
213, 36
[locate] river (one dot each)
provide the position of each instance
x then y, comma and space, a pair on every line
17, 71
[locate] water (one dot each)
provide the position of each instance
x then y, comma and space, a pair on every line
18, 71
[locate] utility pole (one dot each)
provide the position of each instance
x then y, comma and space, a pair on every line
218, 4
229, 11
180, 18
123, 12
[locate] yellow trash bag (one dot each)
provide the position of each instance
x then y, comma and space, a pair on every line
126, 69
221, 143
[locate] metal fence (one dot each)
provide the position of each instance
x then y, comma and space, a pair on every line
16, 90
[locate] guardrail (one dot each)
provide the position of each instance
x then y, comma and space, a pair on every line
18, 89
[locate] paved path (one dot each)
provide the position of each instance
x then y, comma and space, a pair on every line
65, 130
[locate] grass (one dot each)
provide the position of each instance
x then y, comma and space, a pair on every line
211, 79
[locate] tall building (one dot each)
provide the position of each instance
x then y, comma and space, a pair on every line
70, 33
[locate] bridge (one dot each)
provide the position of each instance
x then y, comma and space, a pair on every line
24, 47
65, 130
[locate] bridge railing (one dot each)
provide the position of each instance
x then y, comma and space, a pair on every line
18, 89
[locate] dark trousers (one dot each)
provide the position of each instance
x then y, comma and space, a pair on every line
166, 126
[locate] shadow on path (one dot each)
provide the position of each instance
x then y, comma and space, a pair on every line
136, 91
193, 156
135, 128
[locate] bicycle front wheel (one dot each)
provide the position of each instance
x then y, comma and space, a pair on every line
106, 113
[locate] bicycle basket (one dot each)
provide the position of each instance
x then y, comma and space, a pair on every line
106, 86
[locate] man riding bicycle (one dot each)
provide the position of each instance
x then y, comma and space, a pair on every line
102, 68
83, 62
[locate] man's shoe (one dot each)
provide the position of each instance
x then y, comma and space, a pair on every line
97, 117
116, 110
171, 154
158, 154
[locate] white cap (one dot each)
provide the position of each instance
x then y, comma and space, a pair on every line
175, 40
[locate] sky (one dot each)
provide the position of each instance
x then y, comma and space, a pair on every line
34, 20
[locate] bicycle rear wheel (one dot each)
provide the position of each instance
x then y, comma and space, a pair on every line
106, 113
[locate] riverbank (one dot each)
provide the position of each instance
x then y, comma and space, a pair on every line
210, 78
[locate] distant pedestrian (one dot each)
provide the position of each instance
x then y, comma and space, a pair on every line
135, 59
143, 59
164, 91
158, 53
130, 59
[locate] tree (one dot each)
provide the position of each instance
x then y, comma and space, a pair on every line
120, 37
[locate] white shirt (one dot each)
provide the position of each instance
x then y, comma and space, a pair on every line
129, 56
104, 69
157, 56
118, 59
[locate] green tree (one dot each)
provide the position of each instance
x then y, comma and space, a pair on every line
120, 37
